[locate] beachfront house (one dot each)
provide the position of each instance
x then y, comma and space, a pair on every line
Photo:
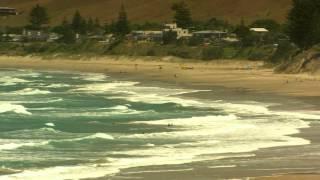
6, 11
146, 36
210, 34
231, 39
259, 30
53, 37
260, 33
181, 33
35, 35
12, 37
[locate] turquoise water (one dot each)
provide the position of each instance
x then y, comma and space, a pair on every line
63, 125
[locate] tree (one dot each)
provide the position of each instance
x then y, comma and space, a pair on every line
303, 26
90, 25
243, 32
169, 37
68, 36
38, 17
182, 14
97, 24
79, 24
122, 25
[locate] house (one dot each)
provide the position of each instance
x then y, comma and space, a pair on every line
210, 34
259, 30
146, 35
6, 11
260, 33
101, 38
35, 35
231, 38
108, 38
53, 37
171, 26
13, 37
181, 33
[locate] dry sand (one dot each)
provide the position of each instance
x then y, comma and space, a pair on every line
292, 177
226, 73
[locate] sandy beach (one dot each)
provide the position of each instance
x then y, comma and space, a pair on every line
250, 76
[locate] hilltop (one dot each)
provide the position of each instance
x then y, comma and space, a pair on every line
152, 10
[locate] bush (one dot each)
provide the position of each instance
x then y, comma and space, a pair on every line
260, 53
211, 53
195, 41
283, 53
180, 53
151, 52
36, 48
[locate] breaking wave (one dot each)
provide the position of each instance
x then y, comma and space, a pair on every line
9, 107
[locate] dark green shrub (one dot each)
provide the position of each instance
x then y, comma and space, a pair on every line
211, 53
151, 52
284, 52
180, 53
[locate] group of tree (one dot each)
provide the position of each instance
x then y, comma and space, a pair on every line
182, 14
303, 24
39, 19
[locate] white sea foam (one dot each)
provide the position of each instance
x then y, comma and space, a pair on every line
94, 77
9, 107
224, 166
58, 85
30, 91
12, 144
100, 113
15, 145
50, 124
9, 81
104, 87
119, 108
97, 136
88, 137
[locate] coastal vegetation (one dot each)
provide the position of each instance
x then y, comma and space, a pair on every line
214, 38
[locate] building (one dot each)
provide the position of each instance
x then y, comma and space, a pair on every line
181, 33
147, 36
259, 30
12, 37
6, 11
53, 37
35, 35
210, 34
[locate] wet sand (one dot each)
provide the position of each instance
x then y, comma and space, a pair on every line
234, 80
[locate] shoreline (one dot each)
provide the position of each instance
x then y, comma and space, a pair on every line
242, 76
234, 74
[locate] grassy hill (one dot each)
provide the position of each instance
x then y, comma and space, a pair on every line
151, 10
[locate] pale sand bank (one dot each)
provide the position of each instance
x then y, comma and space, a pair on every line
226, 73
292, 177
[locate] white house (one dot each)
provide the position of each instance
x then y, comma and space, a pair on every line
6, 11
259, 30
147, 35
181, 33
210, 34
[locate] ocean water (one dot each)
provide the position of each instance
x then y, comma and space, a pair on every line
63, 125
